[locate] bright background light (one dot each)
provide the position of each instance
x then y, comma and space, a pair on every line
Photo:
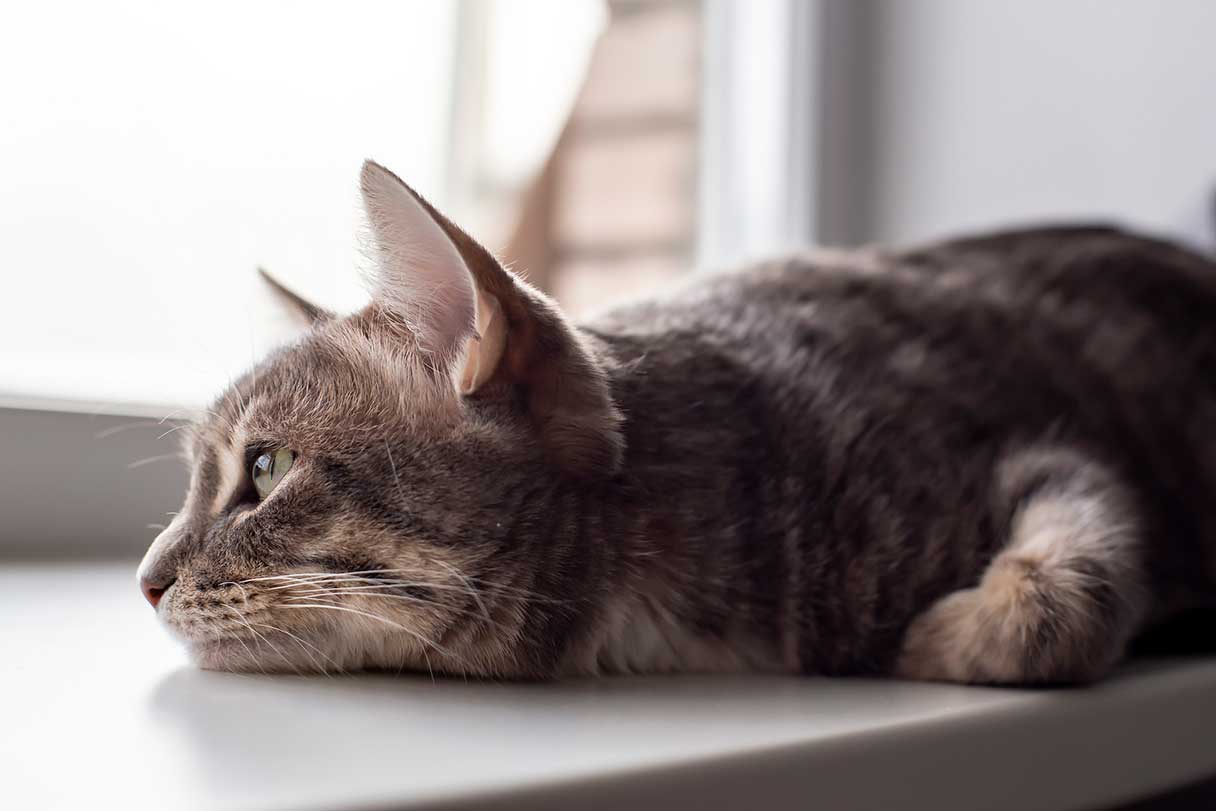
154, 154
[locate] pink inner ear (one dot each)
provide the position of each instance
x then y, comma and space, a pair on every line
421, 276
486, 349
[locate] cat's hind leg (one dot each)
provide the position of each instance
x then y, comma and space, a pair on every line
1063, 597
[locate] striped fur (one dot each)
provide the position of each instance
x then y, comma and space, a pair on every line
988, 460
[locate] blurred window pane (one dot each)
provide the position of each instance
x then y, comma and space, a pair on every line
153, 154
613, 216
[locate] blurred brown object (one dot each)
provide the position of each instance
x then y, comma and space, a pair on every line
612, 214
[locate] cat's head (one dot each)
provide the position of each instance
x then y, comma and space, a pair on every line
376, 495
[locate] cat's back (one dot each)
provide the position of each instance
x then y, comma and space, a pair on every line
844, 414
1028, 269
925, 354
1121, 303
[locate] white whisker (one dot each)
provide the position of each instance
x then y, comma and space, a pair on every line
126, 426
317, 577
472, 590
376, 617
302, 644
150, 459
252, 658
393, 465
403, 597
372, 584
286, 659
244, 593
174, 428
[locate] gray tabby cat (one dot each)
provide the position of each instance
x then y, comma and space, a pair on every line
990, 460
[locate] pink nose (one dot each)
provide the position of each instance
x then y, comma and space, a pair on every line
153, 592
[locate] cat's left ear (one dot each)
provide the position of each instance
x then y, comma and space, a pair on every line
485, 328
307, 311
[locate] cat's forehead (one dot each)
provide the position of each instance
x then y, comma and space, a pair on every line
337, 391
343, 379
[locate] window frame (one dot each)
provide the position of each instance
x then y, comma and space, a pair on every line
760, 180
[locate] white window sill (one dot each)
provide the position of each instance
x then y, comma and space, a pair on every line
101, 709
86, 480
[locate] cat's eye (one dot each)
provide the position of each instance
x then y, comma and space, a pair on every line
269, 469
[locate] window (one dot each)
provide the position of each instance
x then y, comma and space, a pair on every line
154, 154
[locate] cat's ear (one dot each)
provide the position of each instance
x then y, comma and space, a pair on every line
308, 311
422, 278
495, 334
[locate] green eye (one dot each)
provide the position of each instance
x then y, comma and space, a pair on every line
269, 469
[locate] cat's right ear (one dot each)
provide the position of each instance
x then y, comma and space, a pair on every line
307, 310
493, 333
420, 275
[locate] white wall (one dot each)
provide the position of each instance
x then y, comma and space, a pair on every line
953, 114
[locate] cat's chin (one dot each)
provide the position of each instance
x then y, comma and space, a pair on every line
239, 655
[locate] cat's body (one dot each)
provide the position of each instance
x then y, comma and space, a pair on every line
818, 462
988, 461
